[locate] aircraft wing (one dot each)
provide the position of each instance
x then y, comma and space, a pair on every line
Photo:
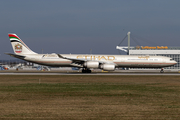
16, 56
80, 61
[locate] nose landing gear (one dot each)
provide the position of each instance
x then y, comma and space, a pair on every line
162, 70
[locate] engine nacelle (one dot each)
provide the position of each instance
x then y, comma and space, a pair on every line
108, 67
91, 64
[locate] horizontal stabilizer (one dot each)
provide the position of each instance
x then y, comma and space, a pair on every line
16, 56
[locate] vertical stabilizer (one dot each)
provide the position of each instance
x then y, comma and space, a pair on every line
19, 46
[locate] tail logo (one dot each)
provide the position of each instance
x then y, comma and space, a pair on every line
18, 48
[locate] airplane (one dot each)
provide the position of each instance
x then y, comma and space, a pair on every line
85, 61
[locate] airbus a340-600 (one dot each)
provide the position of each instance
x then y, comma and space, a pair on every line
87, 62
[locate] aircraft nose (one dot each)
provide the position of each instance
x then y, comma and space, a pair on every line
174, 62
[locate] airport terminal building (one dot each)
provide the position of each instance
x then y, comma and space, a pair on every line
172, 52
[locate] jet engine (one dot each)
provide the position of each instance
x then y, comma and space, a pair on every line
108, 67
91, 64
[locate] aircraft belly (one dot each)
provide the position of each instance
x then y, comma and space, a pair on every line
141, 64
49, 62
57, 63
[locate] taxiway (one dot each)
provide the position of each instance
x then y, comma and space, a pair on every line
73, 73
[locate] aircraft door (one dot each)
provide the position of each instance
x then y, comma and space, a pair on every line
122, 59
163, 60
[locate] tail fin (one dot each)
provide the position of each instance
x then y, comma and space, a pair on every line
19, 46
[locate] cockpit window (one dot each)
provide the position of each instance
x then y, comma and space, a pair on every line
171, 59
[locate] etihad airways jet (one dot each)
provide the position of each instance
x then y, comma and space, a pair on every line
87, 62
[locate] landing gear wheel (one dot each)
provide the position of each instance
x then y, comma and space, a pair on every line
86, 71
83, 71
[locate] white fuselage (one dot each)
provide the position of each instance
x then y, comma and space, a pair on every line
118, 60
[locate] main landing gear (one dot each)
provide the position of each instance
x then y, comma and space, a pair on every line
86, 70
162, 70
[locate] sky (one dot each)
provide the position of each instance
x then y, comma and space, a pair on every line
78, 26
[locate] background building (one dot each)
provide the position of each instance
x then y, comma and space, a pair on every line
172, 52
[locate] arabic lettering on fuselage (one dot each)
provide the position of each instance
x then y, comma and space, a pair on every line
49, 56
143, 57
93, 57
